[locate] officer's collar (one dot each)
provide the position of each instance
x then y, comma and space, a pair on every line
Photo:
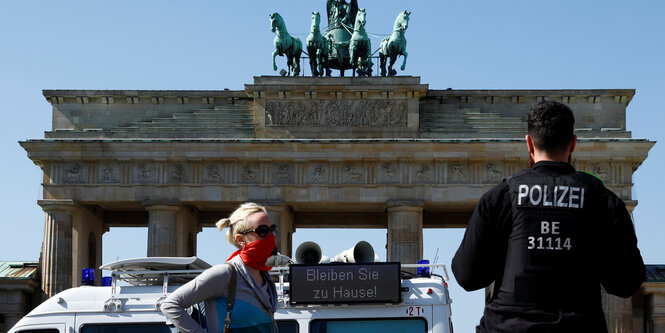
554, 166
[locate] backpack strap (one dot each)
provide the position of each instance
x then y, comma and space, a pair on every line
230, 298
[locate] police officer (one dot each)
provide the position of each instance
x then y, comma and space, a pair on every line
547, 238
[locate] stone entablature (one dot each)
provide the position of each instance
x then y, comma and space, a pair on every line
308, 107
415, 163
77, 111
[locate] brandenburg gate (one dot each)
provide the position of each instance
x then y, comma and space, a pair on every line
357, 152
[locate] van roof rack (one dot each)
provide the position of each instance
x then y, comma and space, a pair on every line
155, 271
150, 271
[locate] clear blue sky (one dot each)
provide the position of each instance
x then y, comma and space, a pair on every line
223, 44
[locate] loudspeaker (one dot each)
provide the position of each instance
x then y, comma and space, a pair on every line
308, 253
361, 253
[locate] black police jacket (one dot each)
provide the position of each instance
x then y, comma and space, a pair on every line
548, 238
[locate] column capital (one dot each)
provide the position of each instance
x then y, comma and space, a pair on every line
59, 204
163, 204
405, 205
630, 205
272, 204
653, 288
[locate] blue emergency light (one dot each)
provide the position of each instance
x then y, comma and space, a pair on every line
106, 281
423, 271
88, 277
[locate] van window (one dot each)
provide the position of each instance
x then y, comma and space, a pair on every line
405, 325
126, 328
40, 330
287, 326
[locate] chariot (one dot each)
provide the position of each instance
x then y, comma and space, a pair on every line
344, 45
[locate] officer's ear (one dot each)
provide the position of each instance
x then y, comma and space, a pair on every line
573, 143
529, 144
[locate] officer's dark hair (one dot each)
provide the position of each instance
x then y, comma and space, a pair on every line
550, 125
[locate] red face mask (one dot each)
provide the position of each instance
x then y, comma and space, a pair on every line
256, 253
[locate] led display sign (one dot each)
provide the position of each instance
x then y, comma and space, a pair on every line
345, 283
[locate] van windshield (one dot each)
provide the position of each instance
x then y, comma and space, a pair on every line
403, 325
127, 328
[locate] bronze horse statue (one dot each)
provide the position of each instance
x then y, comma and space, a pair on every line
360, 47
285, 45
317, 47
395, 45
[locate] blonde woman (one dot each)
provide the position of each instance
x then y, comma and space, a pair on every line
251, 231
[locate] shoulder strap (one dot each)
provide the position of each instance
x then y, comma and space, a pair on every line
230, 297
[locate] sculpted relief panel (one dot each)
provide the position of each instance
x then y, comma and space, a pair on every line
301, 172
388, 173
318, 174
213, 173
283, 173
353, 174
109, 173
494, 175
177, 173
248, 173
458, 173
423, 173
144, 173
330, 113
74, 173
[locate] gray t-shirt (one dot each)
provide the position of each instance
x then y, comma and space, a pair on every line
252, 311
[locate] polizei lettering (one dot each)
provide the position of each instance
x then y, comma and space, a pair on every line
549, 196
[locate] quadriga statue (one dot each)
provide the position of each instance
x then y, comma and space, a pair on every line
344, 45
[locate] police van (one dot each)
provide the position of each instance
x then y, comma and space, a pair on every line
354, 295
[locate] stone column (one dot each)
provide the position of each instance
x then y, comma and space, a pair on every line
11, 320
88, 228
281, 215
57, 245
162, 226
405, 231
187, 228
618, 313
656, 307
15, 302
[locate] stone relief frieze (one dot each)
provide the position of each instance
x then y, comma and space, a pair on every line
282, 174
493, 175
212, 174
458, 173
319, 174
352, 174
388, 172
177, 174
424, 174
248, 174
109, 174
287, 172
74, 174
330, 113
144, 174
601, 172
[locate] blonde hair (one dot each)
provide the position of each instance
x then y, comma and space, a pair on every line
237, 222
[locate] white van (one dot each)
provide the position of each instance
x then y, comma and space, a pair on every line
370, 297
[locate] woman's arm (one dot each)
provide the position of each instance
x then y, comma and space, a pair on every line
211, 283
